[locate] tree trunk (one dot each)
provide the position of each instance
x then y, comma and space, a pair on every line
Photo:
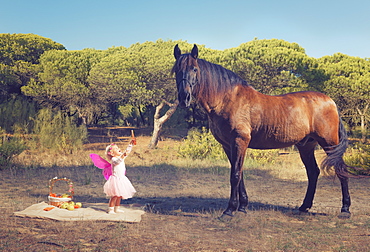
363, 122
159, 121
141, 115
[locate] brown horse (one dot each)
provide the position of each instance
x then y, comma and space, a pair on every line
241, 118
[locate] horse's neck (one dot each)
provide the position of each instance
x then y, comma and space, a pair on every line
218, 103
207, 101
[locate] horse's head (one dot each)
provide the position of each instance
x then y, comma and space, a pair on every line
186, 70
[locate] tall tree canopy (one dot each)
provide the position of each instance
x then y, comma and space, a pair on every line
274, 66
348, 85
24, 47
138, 76
108, 84
62, 81
19, 56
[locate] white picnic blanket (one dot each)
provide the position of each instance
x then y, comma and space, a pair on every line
89, 211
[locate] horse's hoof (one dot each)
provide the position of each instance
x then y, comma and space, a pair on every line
344, 215
228, 212
299, 212
242, 210
225, 217
303, 209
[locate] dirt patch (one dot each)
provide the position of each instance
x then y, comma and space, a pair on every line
183, 201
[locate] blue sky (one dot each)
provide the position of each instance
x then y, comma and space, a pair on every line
322, 27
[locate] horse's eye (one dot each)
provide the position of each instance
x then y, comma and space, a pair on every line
195, 69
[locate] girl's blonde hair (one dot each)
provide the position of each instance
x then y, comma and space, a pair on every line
107, 151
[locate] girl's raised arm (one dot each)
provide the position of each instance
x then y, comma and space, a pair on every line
131, 144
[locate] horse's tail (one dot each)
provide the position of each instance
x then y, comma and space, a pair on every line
335, 153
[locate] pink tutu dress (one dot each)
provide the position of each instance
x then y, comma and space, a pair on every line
118, 184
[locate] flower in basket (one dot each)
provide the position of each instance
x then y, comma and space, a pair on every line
65, 195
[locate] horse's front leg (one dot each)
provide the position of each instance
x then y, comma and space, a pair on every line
243, 197
307, 153
236, 179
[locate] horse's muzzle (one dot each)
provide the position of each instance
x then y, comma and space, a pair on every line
184, 100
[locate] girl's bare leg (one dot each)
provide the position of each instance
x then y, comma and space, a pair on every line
112, 201
116, 207
118, 201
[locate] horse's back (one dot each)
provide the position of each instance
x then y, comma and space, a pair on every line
284, 120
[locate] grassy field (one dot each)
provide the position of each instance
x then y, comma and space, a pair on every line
183, 200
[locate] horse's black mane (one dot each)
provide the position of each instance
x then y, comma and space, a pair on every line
213, 78
216, 77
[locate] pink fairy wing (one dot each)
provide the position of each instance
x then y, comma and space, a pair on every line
101, 163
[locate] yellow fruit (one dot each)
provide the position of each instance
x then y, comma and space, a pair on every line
71, 207
64, 206
64, 195
79, 204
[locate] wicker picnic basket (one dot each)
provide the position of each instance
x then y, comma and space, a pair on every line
58, 200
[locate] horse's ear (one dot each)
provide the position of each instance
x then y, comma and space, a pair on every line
177, 51
194, 51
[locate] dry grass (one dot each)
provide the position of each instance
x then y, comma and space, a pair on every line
184, 199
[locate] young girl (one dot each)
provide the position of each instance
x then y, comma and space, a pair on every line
118, 186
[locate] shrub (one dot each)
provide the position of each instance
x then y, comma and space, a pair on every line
58, 132
9, 148
17, 111
358, 155
200, 144
263, 156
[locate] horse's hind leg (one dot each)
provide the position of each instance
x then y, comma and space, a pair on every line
346, 199
335, 151
307, 153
